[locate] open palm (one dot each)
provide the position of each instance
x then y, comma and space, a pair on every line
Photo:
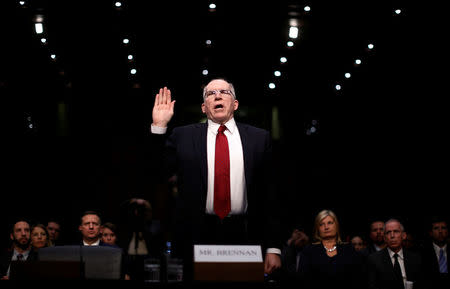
163, 108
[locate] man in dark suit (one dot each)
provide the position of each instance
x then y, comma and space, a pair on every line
435, 254
20, 248
394, 266
90, 229
248, 212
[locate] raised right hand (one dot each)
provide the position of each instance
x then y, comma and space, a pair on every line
163, 108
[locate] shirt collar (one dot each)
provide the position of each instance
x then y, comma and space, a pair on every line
96, 243
437, 248
24, 254
391, 253
230, 124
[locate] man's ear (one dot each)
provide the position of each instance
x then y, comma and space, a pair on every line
203, 108
404, 236
236, 104
11, 236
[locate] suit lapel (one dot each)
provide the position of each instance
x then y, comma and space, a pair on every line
246, 152
388, 263
406, 264
204, 159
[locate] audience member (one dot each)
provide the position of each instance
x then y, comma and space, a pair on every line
394, 266
410, 242
435, 254
329, 262
141, 235
376, 238
108, 233
291, 254
54, 232
39, 239
90, 229
109, 237
357, 243
19, 249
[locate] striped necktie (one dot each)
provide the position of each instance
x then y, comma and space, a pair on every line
442, 262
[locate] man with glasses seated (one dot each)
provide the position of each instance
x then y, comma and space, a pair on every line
224, 171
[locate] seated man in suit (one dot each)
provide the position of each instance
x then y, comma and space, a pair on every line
224, 175
90, 229
435, 254
394, 266
20, 249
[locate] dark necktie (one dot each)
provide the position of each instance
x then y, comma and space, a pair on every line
222, 204
398, 272
19, 257
442, 262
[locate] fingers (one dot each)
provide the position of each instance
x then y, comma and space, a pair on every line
164, 97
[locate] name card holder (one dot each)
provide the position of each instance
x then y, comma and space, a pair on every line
233, 263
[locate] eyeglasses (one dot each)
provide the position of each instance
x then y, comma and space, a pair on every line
216, 92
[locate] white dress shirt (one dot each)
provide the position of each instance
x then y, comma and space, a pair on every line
238, 190
401, 261
96, 243
437, 250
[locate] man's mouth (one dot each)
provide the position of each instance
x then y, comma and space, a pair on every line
218, 106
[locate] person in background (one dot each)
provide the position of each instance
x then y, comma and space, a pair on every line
376, 238
39, 239
394, 266
358, 243
90, 229
54, 231
109, 237
20, 247
108, 233
435, 253
329, 262
291, 254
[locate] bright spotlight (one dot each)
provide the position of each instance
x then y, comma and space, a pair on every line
293, 32
39, 28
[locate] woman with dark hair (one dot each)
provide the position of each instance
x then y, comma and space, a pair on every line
329, 262
39, 239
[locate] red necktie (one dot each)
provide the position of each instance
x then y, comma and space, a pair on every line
222, 205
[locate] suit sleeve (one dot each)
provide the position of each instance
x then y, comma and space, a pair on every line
163, 156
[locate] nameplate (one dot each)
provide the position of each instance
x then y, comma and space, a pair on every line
228, 253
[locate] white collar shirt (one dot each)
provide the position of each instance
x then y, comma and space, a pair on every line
401, 261
238, 190
96, 243
437, 250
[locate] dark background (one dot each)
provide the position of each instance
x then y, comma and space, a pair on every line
378, 148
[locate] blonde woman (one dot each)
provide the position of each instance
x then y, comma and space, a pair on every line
329, 262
